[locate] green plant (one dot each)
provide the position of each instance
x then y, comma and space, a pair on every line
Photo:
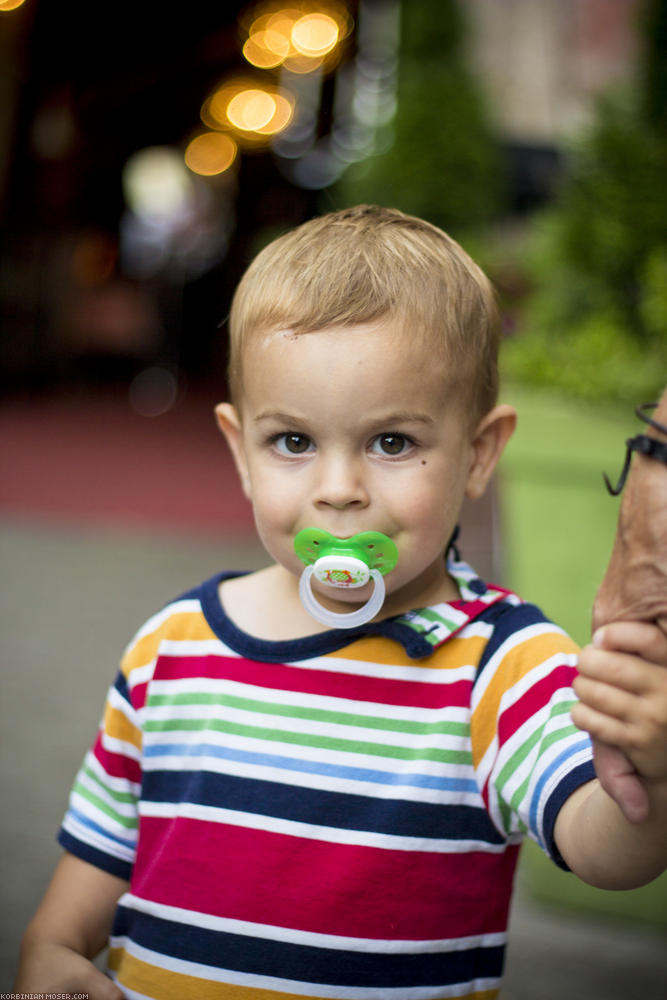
595, 319
444, 163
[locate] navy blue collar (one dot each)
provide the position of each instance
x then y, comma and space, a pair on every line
420, 632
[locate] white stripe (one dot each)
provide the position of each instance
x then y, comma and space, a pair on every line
543, 720
311, 939
297, 725
184, 607
329, 663
122, 808
330, 834
140, 675
121, 747
399, 790
510, 698
327, 703
116, 701
116, 784
508, 647
574, 761
335, 757
326, 992
94, 839
95, 814
512, 695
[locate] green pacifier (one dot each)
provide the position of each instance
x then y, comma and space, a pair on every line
344, 563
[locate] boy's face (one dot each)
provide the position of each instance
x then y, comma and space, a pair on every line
351, 430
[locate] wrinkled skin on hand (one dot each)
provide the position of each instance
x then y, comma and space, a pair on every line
634, 588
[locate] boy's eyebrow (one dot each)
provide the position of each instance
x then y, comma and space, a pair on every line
277, 415
402, 417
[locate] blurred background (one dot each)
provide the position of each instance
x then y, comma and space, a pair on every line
147, 152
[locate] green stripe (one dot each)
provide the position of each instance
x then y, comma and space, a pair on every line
309, 740
124, 797
432, 636
524, 750
311, 714
130, 823
430, 615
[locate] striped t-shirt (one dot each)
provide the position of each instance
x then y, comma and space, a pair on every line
336, 816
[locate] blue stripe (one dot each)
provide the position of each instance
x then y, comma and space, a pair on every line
320, 807
121, 687
566, 755
307, 964
91, 825
100, 859
508, 621
446, 784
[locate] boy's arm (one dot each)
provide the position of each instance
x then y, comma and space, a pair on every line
71, 926
622, 685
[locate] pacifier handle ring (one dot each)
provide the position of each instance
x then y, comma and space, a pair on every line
346, 619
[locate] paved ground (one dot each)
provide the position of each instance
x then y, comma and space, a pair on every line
74, 591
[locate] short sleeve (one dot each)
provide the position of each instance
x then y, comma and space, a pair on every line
100, 825
529, 756
102, 818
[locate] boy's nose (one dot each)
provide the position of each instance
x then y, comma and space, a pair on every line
340, 483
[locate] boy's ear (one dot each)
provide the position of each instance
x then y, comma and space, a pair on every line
229, 423
488, 442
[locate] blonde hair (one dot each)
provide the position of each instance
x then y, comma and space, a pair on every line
364, 264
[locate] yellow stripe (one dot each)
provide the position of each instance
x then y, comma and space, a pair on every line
117, 725
522, 658
162, 984
377, 649
188, 625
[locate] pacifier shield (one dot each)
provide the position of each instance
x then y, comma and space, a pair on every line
373, 548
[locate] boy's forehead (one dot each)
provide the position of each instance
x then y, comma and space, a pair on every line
385, 337
378, 359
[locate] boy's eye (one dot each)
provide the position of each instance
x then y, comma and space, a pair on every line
292, 444
391, 444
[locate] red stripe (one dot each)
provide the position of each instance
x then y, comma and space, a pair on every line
311, 885
533, 701
138, 695
116, 765
318, 682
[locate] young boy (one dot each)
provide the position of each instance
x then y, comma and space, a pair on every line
276, 808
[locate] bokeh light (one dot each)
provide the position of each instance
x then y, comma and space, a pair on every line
315, 35
266, 49
299, 38
282, 116
251, 110
10, 4
156, 184
210, 153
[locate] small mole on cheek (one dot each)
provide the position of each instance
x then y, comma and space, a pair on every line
423, 461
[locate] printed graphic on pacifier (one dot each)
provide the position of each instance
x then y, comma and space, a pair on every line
344, 563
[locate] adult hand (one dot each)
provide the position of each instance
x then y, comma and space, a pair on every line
634, 588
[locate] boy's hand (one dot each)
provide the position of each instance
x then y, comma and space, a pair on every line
622, 687
71, 926
52, 968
